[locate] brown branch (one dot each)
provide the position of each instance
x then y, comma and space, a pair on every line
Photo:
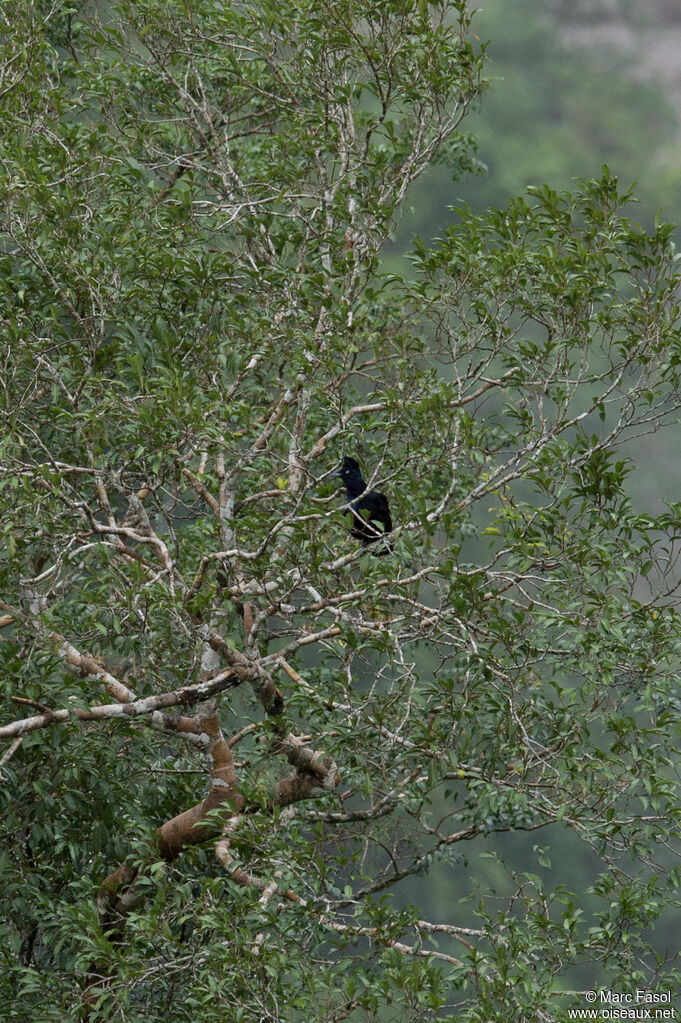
201, 490
187, 695
86, 664
110, 909
198, 580
119, 894
32, 703
10, 751
304, 758
190, 827
262, 682
238, 736
182, 725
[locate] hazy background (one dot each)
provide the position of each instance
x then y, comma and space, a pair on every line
574, 84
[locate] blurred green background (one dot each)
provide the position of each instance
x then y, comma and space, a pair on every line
574, 84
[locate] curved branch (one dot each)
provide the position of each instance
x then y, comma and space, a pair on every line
186, 696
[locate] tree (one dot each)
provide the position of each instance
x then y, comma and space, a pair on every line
236, 742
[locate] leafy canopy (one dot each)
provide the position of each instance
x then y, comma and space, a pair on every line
251, 770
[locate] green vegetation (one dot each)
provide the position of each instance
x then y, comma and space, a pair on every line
252, 771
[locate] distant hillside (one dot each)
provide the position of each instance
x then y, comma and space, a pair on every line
645, 32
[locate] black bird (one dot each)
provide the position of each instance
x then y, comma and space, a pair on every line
370, 511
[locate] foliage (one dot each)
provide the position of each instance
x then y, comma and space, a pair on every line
248, 734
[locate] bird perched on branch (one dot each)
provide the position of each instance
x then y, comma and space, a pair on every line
371, 521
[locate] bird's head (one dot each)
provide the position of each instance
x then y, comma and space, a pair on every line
349, 471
